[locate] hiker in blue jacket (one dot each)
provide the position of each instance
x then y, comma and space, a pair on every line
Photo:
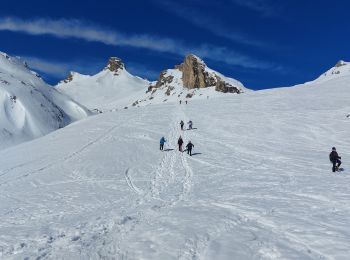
162, 142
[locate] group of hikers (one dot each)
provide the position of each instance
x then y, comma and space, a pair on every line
189, 146
190, 125
180, 141
333, 156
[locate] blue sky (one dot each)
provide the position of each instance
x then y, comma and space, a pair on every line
263, 43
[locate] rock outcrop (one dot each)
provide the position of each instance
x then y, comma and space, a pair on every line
225, 87
194, 75
164, 79
340, 63
69, 78
115, 65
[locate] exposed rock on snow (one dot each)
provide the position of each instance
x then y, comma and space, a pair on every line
340, 63
164, 79
115, 65
69, 78
191, 79
196, 74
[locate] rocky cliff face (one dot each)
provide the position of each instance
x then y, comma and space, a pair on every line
195, 75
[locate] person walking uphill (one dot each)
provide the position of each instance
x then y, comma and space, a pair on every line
190, 124
180, 143
182, 125
189, 147
335, 159
162, 142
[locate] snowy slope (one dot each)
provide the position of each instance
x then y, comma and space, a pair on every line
259, 185
29, 108
341, 69
114, 87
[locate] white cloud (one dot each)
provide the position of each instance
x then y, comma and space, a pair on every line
64, 28
60, 69
211, 24
53, 68
73, 28
264, 7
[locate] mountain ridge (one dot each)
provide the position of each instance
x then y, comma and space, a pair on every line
30, 108
189, 79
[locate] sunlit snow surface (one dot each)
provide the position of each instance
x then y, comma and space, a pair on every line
106, 90
29, 108
259, 185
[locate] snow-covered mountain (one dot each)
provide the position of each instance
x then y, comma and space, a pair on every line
113, 87
258, 186
341, 69
29, 108
188, 81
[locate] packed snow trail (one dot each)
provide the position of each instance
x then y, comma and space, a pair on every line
169, 186
259, 185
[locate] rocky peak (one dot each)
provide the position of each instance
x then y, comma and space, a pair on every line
115, 65
196, 75
193, 72
69, 78
340, 63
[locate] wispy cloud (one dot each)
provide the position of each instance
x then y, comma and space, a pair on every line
205, 21
72, 28
60, 69
264, 7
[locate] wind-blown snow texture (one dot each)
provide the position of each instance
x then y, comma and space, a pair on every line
29, 108
259, 185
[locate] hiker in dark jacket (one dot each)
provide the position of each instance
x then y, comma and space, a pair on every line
189, 147
190, 124
180, 142
335, 159
182, 125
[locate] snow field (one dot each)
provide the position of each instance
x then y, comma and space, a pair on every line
259, 185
